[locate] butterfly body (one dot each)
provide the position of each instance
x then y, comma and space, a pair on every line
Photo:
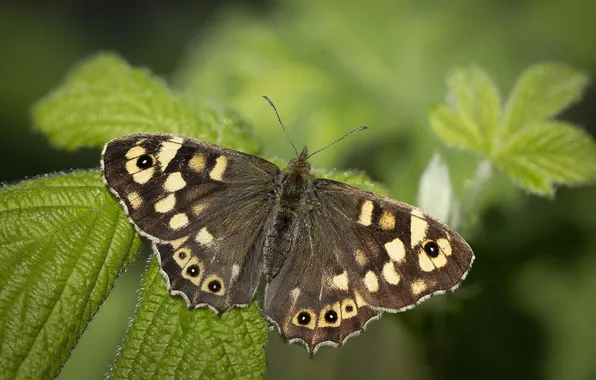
292, 198
334, 256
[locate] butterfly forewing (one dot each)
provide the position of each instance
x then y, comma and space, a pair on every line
201, 205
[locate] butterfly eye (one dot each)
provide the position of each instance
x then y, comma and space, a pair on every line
304, 318
214, 286
145, 161
193, 270
331, 316
432, 249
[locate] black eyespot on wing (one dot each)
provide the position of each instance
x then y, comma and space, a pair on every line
432, 249
304, 318
331, 316
349, 308
145, 161
214, 286
192, 270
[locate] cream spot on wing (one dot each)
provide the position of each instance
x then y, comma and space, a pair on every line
323, 322
178, 221
197, 163
371, 281
177, 139
396, 250
166, 204
418, 227
387, 221
135, 200
132, 164
294, 294
214, 285
204, 237
312, 319
340, 281
428, 263
425, 262
439, 261
174, 182
131, 167
198, 208
418, 287
182, 257
359, 300
445, 246
166, 153
178, 242
193, 271
218, 170
366, 212
361, 258
143, 176
348, 308
390, 274
235, 271
135, 152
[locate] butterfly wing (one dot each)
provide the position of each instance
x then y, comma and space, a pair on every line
355, 254
201, 205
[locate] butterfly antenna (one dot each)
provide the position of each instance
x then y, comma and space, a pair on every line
339, 139
280, 123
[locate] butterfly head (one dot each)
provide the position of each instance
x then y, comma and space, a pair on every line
296, 177
300, 162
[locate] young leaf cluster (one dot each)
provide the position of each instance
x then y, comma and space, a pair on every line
520, 136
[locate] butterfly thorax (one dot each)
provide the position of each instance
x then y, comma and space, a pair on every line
296, 181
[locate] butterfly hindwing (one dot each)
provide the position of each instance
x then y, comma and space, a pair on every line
364, 250
199, 204
311, 299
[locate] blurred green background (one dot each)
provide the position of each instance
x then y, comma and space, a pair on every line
528, 308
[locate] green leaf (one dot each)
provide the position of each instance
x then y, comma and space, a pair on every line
540, 156
167, 340
454, 130
104, 98
471, 119
542, 92
64, 242
537, 154
477, 101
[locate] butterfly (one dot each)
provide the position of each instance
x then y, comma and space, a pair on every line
334, 256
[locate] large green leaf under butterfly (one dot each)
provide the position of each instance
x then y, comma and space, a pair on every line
334, 256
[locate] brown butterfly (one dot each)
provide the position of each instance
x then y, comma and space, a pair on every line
334, 256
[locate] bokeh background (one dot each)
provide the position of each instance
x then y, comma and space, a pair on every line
528, 308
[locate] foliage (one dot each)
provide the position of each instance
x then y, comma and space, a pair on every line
521, 138
69, 234
65, 239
